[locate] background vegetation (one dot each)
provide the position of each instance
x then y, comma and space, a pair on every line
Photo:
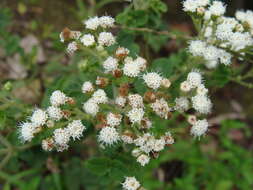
33, 63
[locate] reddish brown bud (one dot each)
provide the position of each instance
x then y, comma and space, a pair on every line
150, 97
117, 73
102, 82
124, 89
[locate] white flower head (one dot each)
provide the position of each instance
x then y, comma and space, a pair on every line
110, 64
143, 159
106, 21
141, 62
108, 136
197, 47
127, 139
161, 108
120, 101
91, 107
61, 136
153, 80
135, 115
202, 90
47, 144
100, 97
106, 39
194, 78
202, 104
159, 145
72, 47
199, 128
185, 86
87, 87
26, 131
130, 183
135, 101
76, 129
58, 98
113, 119
87, 40
131, 69
92, 23
54, 113
39, 117
217, 8
182, 104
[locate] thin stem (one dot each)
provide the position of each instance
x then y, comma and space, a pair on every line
166, 33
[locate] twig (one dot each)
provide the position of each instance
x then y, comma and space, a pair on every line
166, 33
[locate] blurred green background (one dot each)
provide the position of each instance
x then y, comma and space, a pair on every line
33, 62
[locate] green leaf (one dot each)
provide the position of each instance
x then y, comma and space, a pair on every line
99, 166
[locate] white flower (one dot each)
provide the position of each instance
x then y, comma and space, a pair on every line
100, 97
39, 117
72, 47
202, 104
110, 64
131, 69
26, 131
130, 183
194, 78
76, 129
159, 145
225, 57
113, 119
135, 101
199, 128
87, 40
197, 47
106, 39
192, 119
91, 107
106, 21
208, 32
182, 104
108, 136
165, 83
61, 136
202, 90
92, 23
143, 159
161, 108
58, 98
135, 115
87, 87
153, 80
185, 86
120, 101
127, 139
54, 113
121, 52
141, 62
217, 8
190, 5
47, 144
168, 138
207, 15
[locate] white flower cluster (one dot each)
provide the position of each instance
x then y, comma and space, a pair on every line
41, 120
147, 144
200, 102
103, 39
221, 36
123, 116
131, 183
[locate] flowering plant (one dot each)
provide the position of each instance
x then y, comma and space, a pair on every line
130, 106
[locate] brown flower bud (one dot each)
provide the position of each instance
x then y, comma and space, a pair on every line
102, 82
71, 101
121, 52
124, 89
150, 97
66, 113
117, 73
